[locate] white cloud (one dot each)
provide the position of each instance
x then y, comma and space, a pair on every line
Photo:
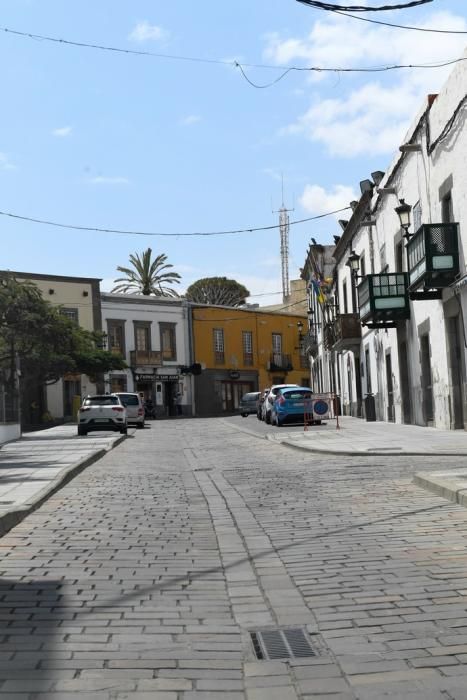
103, 180
144, 31
62, 131
5, 163
317, 200
373, 117
190, 119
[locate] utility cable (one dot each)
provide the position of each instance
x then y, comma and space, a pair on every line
331, 7
401, 26
96, 229
236, 64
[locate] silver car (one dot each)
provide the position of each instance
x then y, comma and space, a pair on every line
134, 407
102, 412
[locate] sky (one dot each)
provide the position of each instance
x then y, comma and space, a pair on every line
114, 140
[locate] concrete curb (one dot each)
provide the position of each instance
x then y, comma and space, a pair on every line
13, 517
449, 485
351, 453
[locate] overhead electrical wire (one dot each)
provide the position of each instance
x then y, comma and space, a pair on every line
97, 229
332, 7
402, 26
236, 64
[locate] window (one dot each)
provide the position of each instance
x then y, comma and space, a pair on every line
72, 314
116, 336
277, 348
168, 341
247, 342
218, 342
417, 216
344, 297
362, 266
447, 216
142, 336
117, 383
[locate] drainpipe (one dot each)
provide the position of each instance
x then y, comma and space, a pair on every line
191, 359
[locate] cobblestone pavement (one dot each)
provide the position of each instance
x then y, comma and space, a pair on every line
141, 578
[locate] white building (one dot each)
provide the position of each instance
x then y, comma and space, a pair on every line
153, 336
398, 329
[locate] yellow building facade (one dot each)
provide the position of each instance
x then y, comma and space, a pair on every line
244, 350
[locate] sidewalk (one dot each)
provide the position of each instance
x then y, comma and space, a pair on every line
357, 437
38, 464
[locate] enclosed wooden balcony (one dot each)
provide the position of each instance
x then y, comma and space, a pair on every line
433, 259
145, 358
344, 333
383, 300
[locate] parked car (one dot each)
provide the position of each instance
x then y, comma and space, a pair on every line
249, 403
259, 410
269, 400
290, 404
134, 407
102, 412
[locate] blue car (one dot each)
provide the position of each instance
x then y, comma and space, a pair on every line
290, 405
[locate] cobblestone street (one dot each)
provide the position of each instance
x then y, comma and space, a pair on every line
142, 578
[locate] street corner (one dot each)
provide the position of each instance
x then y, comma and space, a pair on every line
451, 485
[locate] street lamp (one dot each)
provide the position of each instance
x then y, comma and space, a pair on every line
403, 212
353, 261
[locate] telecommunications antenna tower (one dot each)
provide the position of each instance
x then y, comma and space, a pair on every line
284, 234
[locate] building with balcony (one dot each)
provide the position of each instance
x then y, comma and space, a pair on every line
400, 274
79, 299
152, 335
244, 350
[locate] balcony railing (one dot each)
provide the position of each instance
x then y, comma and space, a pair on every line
344, 333
383, 299
143, 358
310, 342
278, 362
433, 256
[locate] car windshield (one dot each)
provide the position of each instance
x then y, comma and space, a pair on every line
101, 401
296, 395
250, 397
129, 399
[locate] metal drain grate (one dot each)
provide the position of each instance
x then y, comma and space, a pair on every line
281, 644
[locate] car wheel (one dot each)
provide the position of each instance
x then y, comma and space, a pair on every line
279, 423
244, 415
124, 430
268, 418
82, 431
140, 425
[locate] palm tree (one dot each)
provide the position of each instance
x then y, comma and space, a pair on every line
147, 276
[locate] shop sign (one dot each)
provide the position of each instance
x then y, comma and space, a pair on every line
167, 377
144, 377
234, 375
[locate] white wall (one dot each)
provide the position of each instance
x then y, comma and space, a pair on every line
9, 431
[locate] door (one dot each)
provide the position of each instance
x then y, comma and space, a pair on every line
404, 381
426, 379
390, 388
456, 372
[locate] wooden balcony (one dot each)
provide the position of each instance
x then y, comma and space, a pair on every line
433, 258
145, 358
383, 300
344, 333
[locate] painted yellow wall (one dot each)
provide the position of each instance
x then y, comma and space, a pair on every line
69, 294
262, 325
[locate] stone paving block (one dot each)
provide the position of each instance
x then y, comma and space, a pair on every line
282, 693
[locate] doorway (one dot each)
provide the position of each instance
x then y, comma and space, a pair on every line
426, 379
390, 388
405, 383
456, 371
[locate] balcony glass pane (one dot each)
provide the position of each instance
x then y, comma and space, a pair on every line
442, 262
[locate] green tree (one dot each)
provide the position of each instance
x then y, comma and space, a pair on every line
46, 342
217, 290
147, 276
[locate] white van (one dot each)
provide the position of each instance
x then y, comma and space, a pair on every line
134, 407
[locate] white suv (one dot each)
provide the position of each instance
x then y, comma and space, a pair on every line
102, 412
134, 407
269, 400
